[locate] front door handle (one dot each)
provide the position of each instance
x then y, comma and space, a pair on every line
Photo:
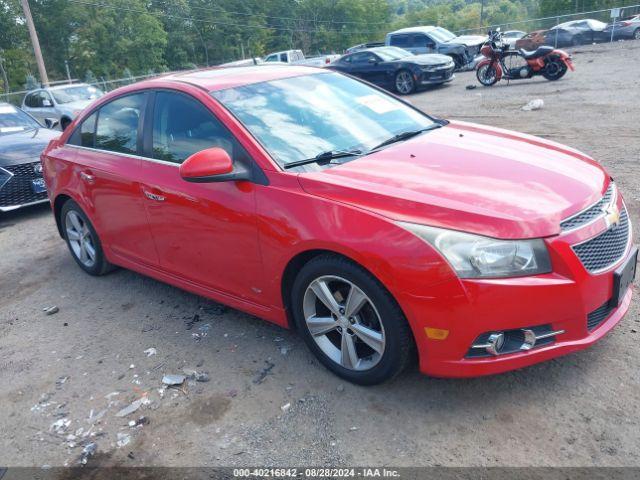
153, 196
87, 177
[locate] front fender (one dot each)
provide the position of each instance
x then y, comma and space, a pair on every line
496, 65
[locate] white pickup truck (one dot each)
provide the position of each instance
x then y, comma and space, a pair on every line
296, 57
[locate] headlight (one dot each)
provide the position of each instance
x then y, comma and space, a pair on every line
475, 256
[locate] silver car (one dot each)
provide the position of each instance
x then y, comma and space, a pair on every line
625, 28
62, 103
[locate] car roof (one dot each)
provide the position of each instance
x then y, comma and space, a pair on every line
221, 78
426, 29
60, 87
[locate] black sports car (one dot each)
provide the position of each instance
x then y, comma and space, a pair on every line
396, 69
22, 140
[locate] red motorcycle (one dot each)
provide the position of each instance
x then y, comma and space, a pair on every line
547, 61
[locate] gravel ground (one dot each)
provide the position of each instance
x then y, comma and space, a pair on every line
86, 362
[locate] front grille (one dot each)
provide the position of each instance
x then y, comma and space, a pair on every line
599, 315
606, 249
590, 213
18, 190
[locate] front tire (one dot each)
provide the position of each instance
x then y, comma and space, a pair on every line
82, 240
636, 34
350, 321
487, 74
405, 84
64, 123
554, 68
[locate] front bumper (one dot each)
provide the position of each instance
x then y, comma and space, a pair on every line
574, 339
435, 77
567, 300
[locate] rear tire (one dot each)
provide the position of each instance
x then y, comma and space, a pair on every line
554, 68
359, 331
82, 240
487, 74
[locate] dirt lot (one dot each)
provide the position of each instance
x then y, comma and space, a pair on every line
87, 362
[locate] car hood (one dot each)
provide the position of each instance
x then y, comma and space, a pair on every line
469, 40
19, 147
425, 59
76, 106
468, 177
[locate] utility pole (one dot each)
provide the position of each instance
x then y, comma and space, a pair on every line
481, 14
36, 44
66, 67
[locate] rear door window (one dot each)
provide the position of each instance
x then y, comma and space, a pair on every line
401, 41
31, 100
118, 123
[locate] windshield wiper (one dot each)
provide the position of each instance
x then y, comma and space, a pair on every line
324, 157
404, 136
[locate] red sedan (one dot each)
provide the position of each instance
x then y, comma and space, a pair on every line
321, 203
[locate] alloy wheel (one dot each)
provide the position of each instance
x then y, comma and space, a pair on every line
487, 75
636, 34
404, 82
344, 323
80, 239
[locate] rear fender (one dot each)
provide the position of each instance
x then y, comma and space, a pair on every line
496, 65
565, 57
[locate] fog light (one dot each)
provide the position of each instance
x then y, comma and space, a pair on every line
495, 343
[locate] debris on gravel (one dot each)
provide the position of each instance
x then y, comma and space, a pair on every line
133, 407
150, 352
172, 380
536, 104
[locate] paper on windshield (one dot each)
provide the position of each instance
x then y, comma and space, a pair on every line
11, 129
377, 103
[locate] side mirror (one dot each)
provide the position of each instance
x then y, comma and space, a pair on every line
51, 123
47, 103
211, 165
372, 61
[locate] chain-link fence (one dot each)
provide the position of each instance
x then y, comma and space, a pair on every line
547, 25
105, 85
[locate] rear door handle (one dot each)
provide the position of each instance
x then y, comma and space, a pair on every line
153, 196
87, 177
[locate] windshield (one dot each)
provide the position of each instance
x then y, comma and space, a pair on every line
13, 120
442, 34
300, 117
391, 53
73, 94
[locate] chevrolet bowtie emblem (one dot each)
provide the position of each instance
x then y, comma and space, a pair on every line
612, 215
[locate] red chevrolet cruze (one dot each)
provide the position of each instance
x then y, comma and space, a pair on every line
319, 202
